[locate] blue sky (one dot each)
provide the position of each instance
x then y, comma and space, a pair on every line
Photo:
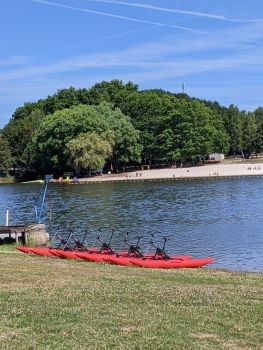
214, 47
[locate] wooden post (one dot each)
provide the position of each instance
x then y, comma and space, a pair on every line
16, 237
7, 217
7, 220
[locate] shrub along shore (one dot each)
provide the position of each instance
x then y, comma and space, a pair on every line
60, 304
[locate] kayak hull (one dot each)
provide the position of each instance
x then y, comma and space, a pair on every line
128, 261
42, 251
172, 263
92, 257
23, 249
66, 254
122, 259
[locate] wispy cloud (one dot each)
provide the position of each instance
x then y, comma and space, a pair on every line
125, 18
14, 61
161, 9
161, 59
177, 11
97, 40
233, 49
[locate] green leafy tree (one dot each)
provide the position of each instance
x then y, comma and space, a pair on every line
175, 128
20, 132
148, 111
5, 157
259, 135
63, 126
89, 151
234, 127
194, 129
114, 92
259, 114
127, 146
249, 134
259, 139
64, 98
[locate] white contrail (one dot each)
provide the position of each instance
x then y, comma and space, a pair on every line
115, 16
178, 11
163, 9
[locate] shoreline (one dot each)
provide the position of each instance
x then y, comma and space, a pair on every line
205, 172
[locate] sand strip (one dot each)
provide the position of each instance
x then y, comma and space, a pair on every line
206, 171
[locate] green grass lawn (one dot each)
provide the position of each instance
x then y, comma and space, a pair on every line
50, 303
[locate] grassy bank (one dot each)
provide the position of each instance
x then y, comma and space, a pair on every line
50, 303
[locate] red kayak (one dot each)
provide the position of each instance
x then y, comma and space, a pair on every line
171, 263
43, 251
128, 261
24, 249
51, 252
97, 257
66, 254
70, 254
93, 257
174, 262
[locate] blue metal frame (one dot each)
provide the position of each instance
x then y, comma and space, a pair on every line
42, 192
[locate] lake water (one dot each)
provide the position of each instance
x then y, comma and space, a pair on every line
222, 218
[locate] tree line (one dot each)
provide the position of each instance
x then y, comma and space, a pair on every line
112, 125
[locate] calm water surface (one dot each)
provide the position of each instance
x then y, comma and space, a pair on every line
222, 218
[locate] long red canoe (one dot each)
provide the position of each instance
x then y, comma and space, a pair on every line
70, 254
43, 251
92, 257
23, 249
128, 261
175, 262
172, 263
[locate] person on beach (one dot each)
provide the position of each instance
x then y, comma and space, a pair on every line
75, 180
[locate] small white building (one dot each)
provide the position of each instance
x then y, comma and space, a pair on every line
218, 157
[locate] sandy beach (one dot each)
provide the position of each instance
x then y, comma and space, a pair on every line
205, 171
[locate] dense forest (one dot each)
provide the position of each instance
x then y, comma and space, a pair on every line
112, 125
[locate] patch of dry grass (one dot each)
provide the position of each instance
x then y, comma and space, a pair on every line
49, 303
